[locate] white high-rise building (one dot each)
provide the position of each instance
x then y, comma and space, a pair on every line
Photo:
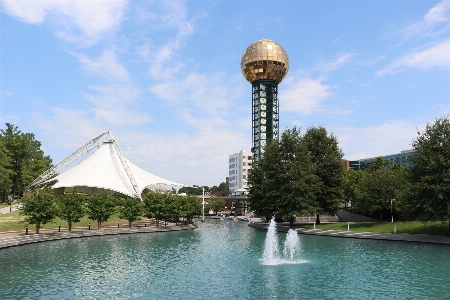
239, 165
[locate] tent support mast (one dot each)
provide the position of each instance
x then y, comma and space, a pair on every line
56, 169
125, 166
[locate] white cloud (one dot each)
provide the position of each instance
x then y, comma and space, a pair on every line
439, 13
334, 65
304, 96
201, 99
435, 56
171, 14
106, 66
78, 21
383, 139
432, 22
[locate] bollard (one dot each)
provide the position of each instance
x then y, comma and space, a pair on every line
26, 230
348, 226
314, 225
89, 228
59, 228
395, 228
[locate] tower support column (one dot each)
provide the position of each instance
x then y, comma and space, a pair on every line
265, 115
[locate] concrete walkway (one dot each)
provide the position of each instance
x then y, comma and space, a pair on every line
22, 239
6, 210
418, 238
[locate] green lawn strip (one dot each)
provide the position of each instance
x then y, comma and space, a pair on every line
14, 222
433, 228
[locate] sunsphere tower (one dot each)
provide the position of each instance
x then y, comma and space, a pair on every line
264, 64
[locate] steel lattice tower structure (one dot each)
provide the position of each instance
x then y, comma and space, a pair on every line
264, 64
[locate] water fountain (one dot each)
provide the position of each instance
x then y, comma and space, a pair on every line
271, 248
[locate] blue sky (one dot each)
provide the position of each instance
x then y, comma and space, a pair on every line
165, 78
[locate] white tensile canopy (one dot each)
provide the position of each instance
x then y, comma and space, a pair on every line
104, 171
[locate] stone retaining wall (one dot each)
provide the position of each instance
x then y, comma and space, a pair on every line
43, 237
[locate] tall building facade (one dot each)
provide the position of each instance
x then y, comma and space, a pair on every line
239, 165
401, 158
264, 64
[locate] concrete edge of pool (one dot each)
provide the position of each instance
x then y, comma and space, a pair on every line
19, 240
402, 237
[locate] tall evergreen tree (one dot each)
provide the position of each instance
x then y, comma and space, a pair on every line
326, 156
6, 172
26, 157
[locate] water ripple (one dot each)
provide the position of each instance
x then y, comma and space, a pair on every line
221, 260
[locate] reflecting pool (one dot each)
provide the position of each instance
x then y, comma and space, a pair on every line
222, 260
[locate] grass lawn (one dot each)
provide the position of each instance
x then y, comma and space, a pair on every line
14, 222
434, 228
4, 205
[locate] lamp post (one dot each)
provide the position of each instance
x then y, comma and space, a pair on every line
203, 202
392, 215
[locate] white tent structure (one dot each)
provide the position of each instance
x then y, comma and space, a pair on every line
105, 170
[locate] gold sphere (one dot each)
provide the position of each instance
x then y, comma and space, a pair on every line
264, 59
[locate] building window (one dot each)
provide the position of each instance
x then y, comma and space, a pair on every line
244, 164
249, 164
244, 176
249, 157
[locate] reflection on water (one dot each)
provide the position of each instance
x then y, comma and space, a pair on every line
220, 260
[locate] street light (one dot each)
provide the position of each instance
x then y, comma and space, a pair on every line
203, 202
392, 216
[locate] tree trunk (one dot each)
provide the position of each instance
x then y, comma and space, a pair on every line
99, 224
291, 222
38, 225
129, 224
317, 219
381, 216
70, 225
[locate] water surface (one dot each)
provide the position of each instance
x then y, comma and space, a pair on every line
222, 260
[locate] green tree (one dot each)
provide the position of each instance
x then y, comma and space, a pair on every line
283, 183
429, 196
100, 207
224, 188
350, 185
27, 159
380, 184
130, 209
70, 207
216, 204
39, 207
326, 156
156, 206
194, 190
191, 207
6, 172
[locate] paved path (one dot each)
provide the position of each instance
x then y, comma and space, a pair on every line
420, 238
23, 239
5, 210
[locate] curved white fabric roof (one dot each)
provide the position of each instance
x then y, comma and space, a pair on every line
104, 170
